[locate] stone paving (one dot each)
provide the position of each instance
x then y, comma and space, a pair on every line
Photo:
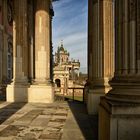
57, 121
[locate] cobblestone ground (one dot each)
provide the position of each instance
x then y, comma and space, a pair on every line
57, 121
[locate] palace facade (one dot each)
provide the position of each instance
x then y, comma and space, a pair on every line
65, 71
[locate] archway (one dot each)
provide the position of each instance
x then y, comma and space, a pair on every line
58, 83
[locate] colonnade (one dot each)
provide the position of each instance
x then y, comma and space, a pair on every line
119, 109
119, 113
113, 42
31, 52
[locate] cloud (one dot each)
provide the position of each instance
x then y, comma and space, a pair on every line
70, 25
55, 0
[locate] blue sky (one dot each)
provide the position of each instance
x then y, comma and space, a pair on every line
70, 25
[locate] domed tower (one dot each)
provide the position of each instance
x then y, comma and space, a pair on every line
62, 56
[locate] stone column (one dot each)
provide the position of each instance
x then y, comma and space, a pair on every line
31, 38
20, 43
101, 51
90, 41
1, 47
42, 42
0, 44
17, 91
5, 37
119, 115
127, 56
42, 89
51, 44
1, 51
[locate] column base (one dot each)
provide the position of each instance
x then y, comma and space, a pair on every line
42, 82
17, 93
34, 93
119, 121
93, 100
41, 94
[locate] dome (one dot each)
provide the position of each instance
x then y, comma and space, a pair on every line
61, 48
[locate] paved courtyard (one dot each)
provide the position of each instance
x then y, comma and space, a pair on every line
57, 121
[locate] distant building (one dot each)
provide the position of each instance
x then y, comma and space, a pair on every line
65, 71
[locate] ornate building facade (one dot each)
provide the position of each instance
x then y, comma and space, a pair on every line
65, 70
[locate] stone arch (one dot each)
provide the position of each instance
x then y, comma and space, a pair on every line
58, 82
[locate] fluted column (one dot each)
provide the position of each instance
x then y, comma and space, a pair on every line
0, 60
119, 113
20, 43
126, 82
0, 46
93, 37
31, 38
90, 41
51, 44
107, 39
101, 42
101, 50
42, 42
138, 36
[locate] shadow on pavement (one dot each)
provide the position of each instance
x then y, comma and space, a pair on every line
88, 124
8, 110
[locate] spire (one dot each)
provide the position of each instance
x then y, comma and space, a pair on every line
61, 43
61, 46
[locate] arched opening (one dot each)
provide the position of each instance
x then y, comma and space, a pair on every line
58, 83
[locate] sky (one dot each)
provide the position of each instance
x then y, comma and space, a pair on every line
70, 25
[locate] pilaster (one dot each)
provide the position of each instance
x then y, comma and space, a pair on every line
20, 43
17, 90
